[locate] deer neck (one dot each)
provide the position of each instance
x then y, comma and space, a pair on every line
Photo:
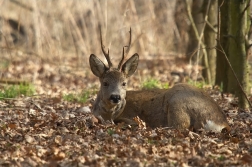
105, 111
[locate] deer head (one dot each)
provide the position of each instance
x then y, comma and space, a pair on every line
110, 100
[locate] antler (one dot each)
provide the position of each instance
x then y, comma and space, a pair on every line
127, 51
104, 52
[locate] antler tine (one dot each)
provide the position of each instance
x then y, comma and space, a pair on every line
103, 50
127, 51
129, 42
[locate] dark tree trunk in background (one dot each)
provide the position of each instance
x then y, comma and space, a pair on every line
234, 42
210, 36
238, 31
221, 63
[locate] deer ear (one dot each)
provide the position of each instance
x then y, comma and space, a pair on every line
130, 66
96, 65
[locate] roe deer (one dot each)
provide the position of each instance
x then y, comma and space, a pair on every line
182, 106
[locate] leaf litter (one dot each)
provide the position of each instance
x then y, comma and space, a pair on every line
45, 130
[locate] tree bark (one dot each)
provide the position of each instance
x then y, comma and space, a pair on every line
210, 36
237, 31
221, 63
233, 34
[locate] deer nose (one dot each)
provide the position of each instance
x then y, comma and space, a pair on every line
115, 98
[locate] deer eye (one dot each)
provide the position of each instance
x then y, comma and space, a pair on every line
124, 84
105, 84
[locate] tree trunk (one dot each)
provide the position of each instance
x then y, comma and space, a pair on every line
221, 63
237, 31
234, 27
210, 41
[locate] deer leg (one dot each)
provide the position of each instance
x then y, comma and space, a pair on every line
177, 118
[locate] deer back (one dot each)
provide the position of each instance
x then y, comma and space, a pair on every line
182, 106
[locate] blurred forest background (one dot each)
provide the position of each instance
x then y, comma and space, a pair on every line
48, 43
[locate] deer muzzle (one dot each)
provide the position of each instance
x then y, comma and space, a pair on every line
115, 98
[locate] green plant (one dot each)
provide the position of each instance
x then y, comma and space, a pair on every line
152, 141
199, 84
110, 131
4, 64
221, 158
17, 90
69, 97
152, 83
80, 98
165, 86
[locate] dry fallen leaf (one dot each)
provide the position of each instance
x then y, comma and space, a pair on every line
141, 124
234, 139
29, 139
60, 156
58, 140
12, 125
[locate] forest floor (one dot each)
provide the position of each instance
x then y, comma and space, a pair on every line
46, 130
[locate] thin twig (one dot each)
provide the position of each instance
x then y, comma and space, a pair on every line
28, 8
25, 6
211, 26
36, 105
8, 47
219, 20
247, 6
13, 82
199, 37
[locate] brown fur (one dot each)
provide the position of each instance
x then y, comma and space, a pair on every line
182, 106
